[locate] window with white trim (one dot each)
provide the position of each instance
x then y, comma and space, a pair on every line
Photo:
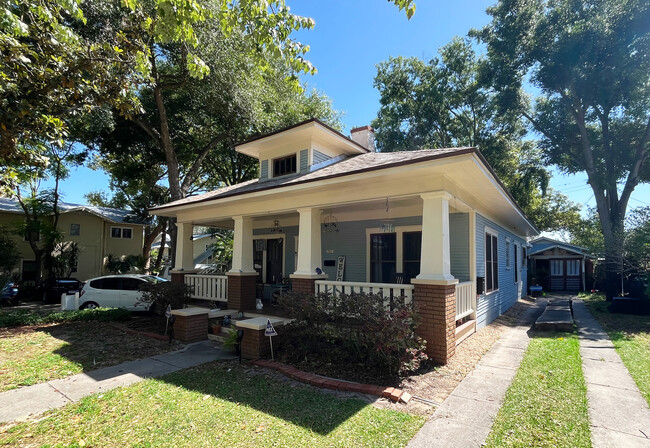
491, 262
507, 253
557, 267
122, 232
284, 165
516, 263
75, 230
573, 268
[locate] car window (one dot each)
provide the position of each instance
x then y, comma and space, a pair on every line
111, 283
97, 284
131, 284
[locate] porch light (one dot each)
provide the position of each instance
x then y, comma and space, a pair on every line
330, 223
276, 227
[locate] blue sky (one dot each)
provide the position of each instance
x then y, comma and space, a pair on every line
349, 39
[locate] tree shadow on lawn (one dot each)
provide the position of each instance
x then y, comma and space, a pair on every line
318, 411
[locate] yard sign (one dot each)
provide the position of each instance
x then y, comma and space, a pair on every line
270, 332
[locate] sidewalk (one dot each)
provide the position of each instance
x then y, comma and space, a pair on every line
619, 415
32, 400
465, 418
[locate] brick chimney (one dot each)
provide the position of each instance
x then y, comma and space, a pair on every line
365, 136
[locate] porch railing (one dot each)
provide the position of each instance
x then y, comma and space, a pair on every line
464, 299
387, 290
208, 286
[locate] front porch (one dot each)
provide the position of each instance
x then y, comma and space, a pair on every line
419, 247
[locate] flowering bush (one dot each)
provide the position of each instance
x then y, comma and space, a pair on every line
357, 328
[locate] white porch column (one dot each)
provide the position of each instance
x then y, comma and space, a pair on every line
242, 248
309, 244
435, 261
184, 246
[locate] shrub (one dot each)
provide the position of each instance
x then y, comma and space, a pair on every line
25, 317
162, 294
353, 328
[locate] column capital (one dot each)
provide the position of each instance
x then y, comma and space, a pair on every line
308, 210
437, 195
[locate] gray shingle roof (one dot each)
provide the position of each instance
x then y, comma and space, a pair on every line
110, 214
350, 165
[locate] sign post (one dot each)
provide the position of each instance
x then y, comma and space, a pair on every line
168, 314
270, 332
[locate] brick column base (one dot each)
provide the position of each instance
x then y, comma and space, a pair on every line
177, 277
241, 291
255, 345
191, 328
304, 285
436, 306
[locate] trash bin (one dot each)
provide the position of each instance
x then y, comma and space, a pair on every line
536, 291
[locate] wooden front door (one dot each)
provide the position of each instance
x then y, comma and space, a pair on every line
566, 274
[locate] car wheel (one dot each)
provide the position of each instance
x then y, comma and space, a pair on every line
89, 306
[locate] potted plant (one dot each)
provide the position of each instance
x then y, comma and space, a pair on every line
216, 328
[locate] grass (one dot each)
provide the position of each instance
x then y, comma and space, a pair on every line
630, 334
217, 404
27, 317
35, 354
546, 405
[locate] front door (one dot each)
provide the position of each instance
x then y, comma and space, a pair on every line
274, 260
383, 257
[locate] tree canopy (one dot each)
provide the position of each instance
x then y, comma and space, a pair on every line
590, 61
445, 103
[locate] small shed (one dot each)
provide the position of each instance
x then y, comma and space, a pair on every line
559, 266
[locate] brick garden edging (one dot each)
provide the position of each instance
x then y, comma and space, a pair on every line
148, 334
391, 393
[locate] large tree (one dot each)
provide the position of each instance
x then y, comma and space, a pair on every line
444, 103
590, 60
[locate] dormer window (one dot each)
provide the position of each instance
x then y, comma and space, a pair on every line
284, 165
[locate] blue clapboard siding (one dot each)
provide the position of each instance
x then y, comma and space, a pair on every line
304, 161
491, 305
320, 157
459, 245
351, 242
264, 170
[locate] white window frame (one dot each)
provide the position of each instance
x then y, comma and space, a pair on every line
121, 237
492, 232
508, 254
286, 156
399, 257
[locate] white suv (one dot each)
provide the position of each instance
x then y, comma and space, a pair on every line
116, 291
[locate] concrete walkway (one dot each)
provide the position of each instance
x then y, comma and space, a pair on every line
465, 418
618, 412
22, 403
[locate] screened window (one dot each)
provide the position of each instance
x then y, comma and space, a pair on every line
75, 229
412, 247
491, 263
127, 233
573, 267
116, 232
284, 165
121, 232
516, 264
383, 257
557, 267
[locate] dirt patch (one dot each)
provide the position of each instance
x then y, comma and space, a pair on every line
439, 382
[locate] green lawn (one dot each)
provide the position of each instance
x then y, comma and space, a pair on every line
630, 335
35, 354
546, 405
217, 404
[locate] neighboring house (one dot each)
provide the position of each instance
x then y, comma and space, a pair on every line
201, 252
560, 266
435, 225
99, 231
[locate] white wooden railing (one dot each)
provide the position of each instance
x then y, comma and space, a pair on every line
387, 290
464, 299
208, 287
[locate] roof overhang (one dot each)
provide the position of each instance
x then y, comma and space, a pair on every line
301, 133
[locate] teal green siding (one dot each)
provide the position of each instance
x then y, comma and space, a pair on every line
320, 157
264, 170
304, 161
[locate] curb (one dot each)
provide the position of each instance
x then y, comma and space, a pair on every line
391, 393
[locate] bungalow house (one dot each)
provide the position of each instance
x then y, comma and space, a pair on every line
99, 232
331, 214
559, 266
